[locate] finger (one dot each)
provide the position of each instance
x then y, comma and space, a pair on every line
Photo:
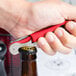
71, 27
55, 43
45, 46
67, 39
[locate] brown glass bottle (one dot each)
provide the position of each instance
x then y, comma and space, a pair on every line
28, 56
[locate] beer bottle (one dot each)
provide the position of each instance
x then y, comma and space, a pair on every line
28, 56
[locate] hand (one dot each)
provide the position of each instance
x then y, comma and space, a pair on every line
22, 18
61, 40
25, 18
14, 15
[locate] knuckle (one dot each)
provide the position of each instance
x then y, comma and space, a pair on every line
56, 48
74, 32
66, 42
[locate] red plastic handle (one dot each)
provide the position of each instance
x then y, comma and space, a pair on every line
35, 36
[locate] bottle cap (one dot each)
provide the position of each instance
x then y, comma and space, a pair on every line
28, 50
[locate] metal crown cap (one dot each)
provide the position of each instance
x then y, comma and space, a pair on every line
28, 50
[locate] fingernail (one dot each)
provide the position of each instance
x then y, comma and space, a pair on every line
42, 41
71, 26
59, 33
51, 37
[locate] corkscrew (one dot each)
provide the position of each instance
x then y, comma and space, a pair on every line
14, 46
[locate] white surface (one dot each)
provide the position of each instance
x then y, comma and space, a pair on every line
64, 65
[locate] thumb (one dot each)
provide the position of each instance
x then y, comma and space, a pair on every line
68, 11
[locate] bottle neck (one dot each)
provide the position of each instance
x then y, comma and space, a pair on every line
29, 67
28, 57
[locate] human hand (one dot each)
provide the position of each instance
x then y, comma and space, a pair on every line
13, 16
60, 40
26, 18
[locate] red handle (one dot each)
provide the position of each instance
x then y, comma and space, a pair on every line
35, 36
